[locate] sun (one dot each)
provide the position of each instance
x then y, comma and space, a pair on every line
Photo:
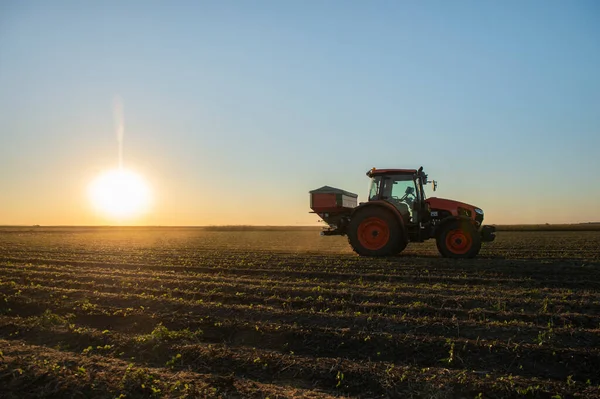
120, 194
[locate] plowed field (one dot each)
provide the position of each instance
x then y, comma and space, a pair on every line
196, 313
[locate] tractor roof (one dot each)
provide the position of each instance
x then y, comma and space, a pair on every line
377, 172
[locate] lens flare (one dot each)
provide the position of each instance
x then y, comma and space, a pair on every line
120, 193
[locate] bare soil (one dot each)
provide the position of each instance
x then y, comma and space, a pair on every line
184, 312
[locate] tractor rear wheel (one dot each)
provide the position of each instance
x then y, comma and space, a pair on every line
458, 240
375, 232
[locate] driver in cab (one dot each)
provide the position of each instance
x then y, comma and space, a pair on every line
392, 192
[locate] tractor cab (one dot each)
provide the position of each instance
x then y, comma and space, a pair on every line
402, 188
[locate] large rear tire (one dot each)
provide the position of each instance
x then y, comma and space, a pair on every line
374, 231
458, 240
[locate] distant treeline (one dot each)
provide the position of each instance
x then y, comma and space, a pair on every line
511, 227
261, 228
38, 228
549, 227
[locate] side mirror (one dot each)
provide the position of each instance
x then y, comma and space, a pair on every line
433, 183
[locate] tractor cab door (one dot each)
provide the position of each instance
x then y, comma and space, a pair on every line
400, 191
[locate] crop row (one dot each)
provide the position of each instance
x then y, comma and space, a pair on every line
557, 331
317, 302
416, 359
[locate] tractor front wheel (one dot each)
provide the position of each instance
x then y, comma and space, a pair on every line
375, 232
458, 240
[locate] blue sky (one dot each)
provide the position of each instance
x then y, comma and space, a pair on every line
235, 110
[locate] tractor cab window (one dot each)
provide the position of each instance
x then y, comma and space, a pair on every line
374, 191
403, 194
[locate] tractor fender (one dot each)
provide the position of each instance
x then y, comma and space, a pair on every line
385, 205
451, 219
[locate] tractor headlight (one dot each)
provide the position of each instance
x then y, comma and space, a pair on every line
478, 211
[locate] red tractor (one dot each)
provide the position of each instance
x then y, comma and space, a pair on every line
398, 213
